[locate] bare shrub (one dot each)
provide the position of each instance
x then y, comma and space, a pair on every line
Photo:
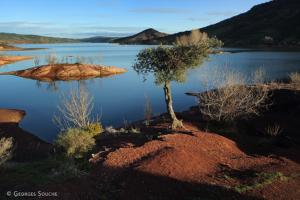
51, 59
78, 128
295, 79
258, 76
193, 38
231, 98
64, 59
6, 145
273, 130
147, 111
80, 59
90, 60
36, 61
75, 110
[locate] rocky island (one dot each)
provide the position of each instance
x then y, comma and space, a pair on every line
65, 72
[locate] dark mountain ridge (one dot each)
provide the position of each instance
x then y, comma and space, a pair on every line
272, 24
275, 23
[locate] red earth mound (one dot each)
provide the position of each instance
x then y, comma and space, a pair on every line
183, 166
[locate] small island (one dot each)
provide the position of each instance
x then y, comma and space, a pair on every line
66, 72
5, 59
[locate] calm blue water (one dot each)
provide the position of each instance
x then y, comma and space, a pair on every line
121, 98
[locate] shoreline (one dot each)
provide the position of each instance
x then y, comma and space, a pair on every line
29, 147
281, 90
143, 156
8, 59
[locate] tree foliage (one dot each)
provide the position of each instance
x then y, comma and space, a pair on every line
170, 63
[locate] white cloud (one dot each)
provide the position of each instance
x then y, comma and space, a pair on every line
67, 30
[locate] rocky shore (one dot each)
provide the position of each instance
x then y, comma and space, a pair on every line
26, 145
65, 72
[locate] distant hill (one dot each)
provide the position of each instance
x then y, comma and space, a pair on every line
148, 36
20, 39
151, 36
99, 39
272, 24
5, 47
275, 23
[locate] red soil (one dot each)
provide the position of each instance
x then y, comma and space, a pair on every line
178, 165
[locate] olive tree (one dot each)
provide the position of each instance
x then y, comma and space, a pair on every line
170, 63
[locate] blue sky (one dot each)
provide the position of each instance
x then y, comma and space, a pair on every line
86, 18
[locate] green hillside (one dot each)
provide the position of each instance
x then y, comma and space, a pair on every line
13, 38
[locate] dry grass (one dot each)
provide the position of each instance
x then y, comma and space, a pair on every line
148, 111
51, 59
273, 130
232, 98
75, 110
295, 79
194, 37
36, 61
6, 145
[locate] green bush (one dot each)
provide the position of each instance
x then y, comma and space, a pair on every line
76, 142
94, 129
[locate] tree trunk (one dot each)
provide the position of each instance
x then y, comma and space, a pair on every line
169, 102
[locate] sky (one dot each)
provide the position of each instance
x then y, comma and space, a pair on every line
88, 18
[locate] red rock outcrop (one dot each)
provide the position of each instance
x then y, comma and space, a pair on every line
66, 72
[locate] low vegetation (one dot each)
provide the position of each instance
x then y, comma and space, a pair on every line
6, 145
273, 130
78, 129
75, 142
262, 179
36, 61
147, 111
231, 98
52, 59
55, 169
295, 79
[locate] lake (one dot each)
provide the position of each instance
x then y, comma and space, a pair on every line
121, 98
